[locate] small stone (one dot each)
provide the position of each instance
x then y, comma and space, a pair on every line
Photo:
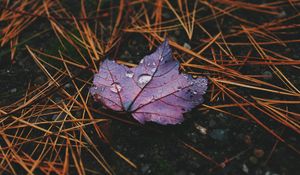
54, 117
40, 80
193, 137
253, 160
57, 99
134, 42
258, 153
14, 90
247, 140
245, 168
222, 165
186, 45
166, 15
58, 117
141, 156
201, 129
220, 115
212, 123
68, 85
181, 172
125, 55
177, 32
267, 75
218, 134
268, 173
282, 14
145, 168
258, 172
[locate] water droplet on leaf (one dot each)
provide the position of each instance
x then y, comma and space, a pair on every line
99, 88
129, 74
144, 79
115, 87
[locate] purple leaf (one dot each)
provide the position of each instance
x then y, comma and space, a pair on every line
155, 90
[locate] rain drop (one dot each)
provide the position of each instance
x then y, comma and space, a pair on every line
195, 92
203, 81
144, 79
129, 74
142, 61
115, 87
100, 88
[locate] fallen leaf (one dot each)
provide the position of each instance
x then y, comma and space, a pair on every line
154, 91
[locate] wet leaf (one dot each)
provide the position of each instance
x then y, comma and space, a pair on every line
154, 91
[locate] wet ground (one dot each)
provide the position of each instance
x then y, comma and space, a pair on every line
158, 149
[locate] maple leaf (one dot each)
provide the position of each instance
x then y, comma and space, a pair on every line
154, 91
